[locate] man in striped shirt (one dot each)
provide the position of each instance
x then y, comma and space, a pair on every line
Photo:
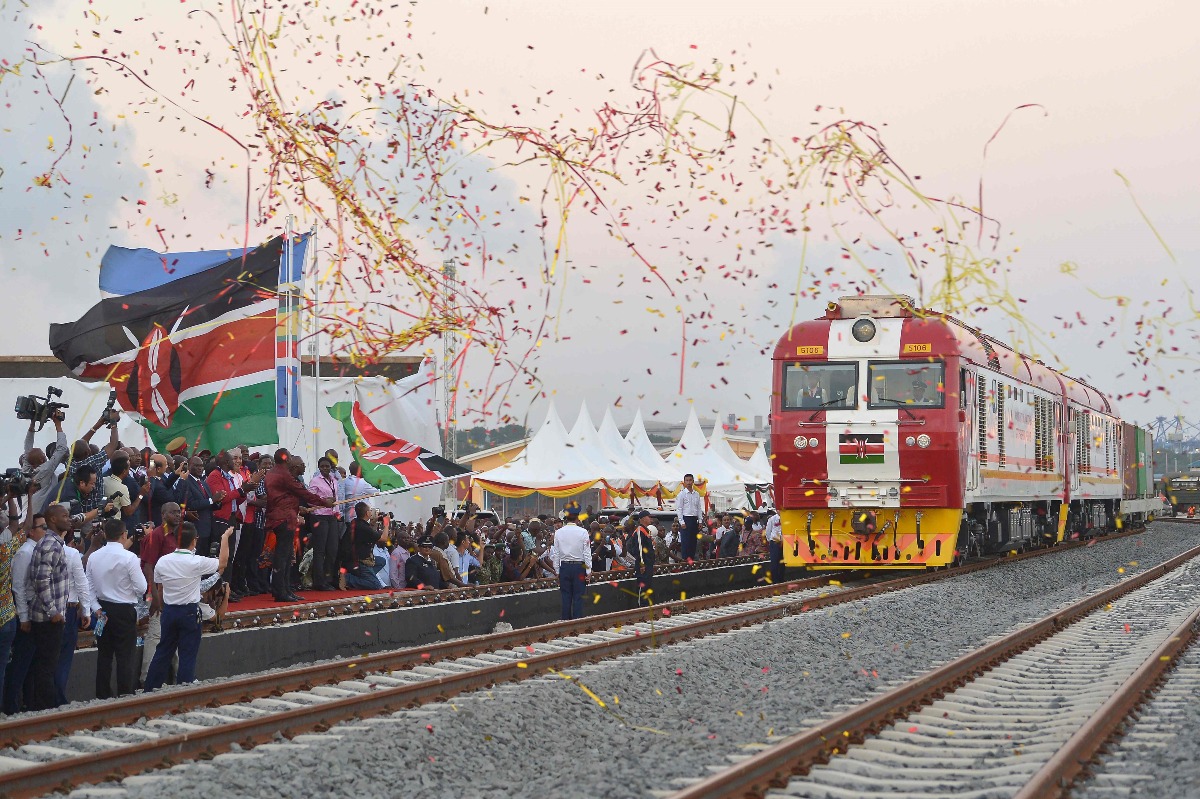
48, 610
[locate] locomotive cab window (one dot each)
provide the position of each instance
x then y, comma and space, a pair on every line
912, 384
820, 385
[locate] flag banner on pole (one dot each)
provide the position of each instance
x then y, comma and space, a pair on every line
127, 271
194, 357
387, 462
287, 331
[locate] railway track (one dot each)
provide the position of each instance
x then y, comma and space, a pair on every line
1020, 716
105, 741
394, 600
391, 599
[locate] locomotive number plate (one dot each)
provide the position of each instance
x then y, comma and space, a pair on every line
817, 350
918, 348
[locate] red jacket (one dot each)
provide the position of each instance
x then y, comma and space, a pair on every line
285, 495
227, 510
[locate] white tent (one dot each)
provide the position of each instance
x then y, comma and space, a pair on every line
694, 454
621, 451
720, 445
761, 464
548, 462
613, 457
612, 467
645, 453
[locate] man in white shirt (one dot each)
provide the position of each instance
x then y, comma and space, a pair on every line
177, 577
22, 646
81, 603
774, 536
571, 555
117, 579
396, 562
352, 490
689, 507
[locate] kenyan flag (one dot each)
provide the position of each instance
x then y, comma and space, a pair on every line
389, 463
194, 357
858, 448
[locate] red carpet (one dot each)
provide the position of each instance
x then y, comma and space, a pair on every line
267, 602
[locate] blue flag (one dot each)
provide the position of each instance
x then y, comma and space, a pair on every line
127, 271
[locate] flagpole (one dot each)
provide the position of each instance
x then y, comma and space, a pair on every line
405, 488
290, 380
316, 317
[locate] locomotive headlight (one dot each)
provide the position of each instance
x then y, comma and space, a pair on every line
910, 441
812, 443
923, 441
801, 442
863, 330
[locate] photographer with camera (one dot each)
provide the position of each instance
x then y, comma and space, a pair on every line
85, 483
81, 456
115, 486
43, 465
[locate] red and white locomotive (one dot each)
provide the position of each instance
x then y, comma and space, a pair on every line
904, 438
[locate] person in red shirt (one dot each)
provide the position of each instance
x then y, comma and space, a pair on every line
224, 482
285, 494
161, 540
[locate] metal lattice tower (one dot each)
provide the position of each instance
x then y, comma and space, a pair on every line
1178, 439
449, 386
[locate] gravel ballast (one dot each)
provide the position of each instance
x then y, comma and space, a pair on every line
672, 713
1158, 754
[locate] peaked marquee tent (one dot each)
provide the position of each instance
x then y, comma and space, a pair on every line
757, 474
549, 464
697, 455
560, 464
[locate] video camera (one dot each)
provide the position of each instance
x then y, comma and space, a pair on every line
15, 482
439, 511
116, 512
43, 409
111, 415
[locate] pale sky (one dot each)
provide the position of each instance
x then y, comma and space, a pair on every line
1115, 84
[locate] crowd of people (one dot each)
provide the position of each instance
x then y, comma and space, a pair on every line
150, 546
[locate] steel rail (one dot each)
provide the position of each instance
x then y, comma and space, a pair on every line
45, 726
394, 599
797, 753
126, 709
61, 775
1053, 779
